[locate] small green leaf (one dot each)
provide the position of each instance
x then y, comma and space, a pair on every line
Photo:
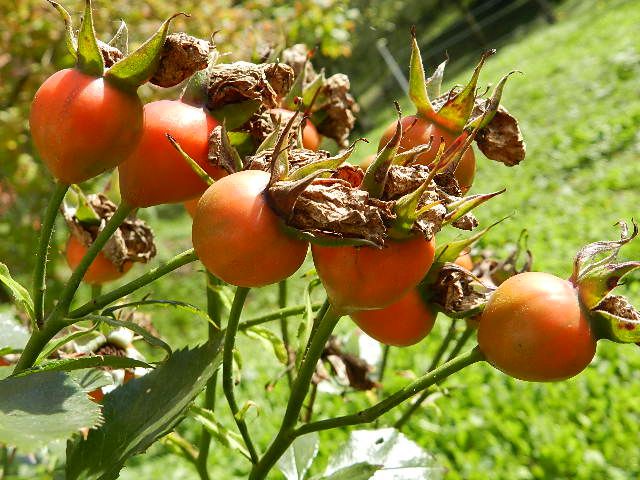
18, 292
140, 412
271, 340
90, 59
13, 336
68, 364
38, 409
229, 439
296, 460
138, 67
235, 115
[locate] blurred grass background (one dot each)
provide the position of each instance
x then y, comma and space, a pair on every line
579, 108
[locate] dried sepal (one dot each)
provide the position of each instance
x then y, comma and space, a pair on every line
132, 241
494, 272
182, 55
120, 39
457, 292
221, 152
110, 54
231, 83
298, 58
334, 109
615, 319
349, 370
501, 140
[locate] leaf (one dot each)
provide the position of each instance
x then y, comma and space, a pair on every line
13, 335
235, 115
18, 292
92, 379
68, 364
140, 412
53, 347
357, 471
295, 462
271, 340
90, 59
37, 409
400, 457
134, 327
229, 439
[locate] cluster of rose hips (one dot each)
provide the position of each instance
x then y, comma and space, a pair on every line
241, 149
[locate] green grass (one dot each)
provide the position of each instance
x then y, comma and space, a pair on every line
579, 111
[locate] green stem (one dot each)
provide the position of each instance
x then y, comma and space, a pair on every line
214, 309
70, 289
277, 314
299, 391
37, 342
96, 290
150, 276
227, 367
40, 272
383, 362
370, 414
436, 360
284, 327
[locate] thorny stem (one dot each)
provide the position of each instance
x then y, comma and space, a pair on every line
69, 291
150, 276
370, 414
214, 309
445, 343
299, 391
284, 327
227, 367
40, 272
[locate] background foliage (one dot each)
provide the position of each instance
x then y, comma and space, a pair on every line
580, 115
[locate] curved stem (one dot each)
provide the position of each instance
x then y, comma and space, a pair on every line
299, 391
40, 272
69, 291
37, 342
150, 276
227, 367
445, 343
370, 414
276, 314
214, 309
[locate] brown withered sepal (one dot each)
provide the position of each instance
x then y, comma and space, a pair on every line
349, 369
110, 54
458, 293
352, 174
131, 242
241, 81
618, 306
296, 57
298, 157
501, 140
219, 153
339, 109
182, 55
333, 208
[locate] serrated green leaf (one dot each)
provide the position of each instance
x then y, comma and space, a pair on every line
140, 412
271, 340
40, 408
14, 336
91, 379
68, 364
399, 456
18, 292
295, 462
137, 68
90, 59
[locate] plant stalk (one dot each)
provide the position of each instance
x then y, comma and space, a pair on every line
284, 327
276, 314
227, 367
40, 272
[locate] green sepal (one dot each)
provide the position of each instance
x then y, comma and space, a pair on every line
290, 102
434, 82
280, 155
231, 150
612, 327
197, 169
312, 94
418, 82
120, 39
408, 157
491, 107
450, 251
89, 56
330, 163
271, 139
235, 115
376, 175
85, 214
598, 282
69, 37
138, 67
456, 110
466, 204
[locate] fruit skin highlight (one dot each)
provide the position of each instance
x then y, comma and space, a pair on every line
239, 238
